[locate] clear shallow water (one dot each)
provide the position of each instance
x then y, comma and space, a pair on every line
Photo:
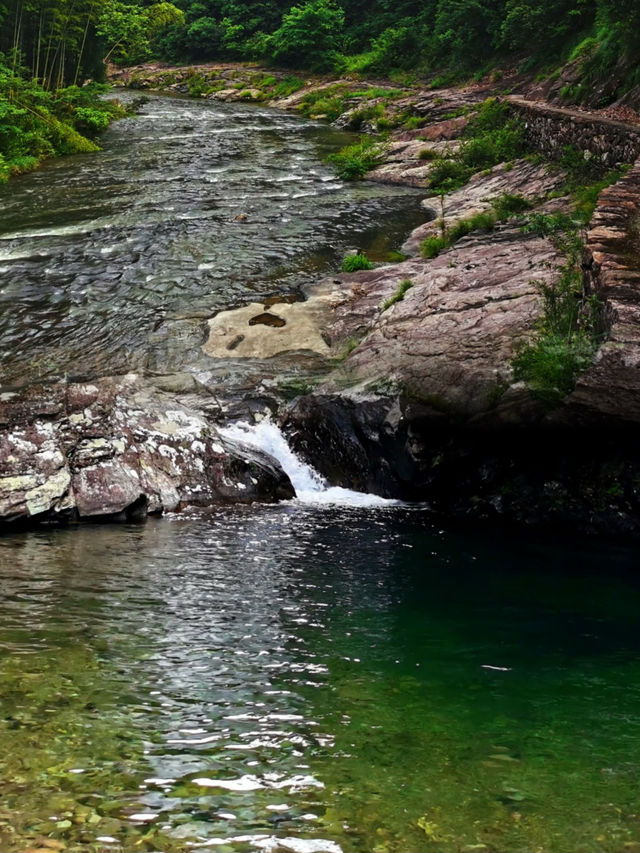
112, 261
313, 678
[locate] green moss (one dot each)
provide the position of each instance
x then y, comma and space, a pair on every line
287, 86
395, 257
398, 296
365, 114
376, 92
414, 122
329, 102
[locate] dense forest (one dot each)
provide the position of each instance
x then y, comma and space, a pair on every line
61, 42
49, 49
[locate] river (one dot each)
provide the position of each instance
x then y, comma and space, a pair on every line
112, 262
315, 678
318, 676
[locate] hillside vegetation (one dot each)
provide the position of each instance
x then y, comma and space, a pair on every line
48, 49
59, 42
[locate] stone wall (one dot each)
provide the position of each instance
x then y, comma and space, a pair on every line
549, 129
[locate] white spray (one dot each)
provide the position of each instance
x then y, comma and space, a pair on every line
309, 485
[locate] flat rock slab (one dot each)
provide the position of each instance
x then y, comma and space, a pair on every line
251, 333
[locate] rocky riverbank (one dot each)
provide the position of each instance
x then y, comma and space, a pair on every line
118, 450
402, 376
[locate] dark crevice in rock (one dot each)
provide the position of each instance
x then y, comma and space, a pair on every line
268, 319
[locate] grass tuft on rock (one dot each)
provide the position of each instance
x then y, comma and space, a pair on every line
398, 296
354, 263
353, 162
570, 328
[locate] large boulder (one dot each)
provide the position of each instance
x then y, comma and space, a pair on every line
116, 449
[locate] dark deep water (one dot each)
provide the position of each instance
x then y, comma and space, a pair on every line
292, 678
300, 678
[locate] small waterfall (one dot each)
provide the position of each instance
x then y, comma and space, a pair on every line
309, 485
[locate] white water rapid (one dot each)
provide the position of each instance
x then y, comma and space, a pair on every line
309, 485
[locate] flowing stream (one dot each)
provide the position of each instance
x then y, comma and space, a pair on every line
112, 262
332, 674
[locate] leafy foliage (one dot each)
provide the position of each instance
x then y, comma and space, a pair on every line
63, 42
492, 137
354, 161
398, 296
570, 328
35, 123
354, 263
308, 35
432, 246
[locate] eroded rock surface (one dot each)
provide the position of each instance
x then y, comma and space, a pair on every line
298, 327
115, 449
451, 338
610, 389
532, 182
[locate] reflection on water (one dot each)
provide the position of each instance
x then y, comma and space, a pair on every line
299, 678
192, 207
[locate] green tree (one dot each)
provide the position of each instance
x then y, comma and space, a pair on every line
463, 31
125, 31
309, 35
130, 31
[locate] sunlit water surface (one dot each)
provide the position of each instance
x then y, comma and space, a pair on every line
313, 678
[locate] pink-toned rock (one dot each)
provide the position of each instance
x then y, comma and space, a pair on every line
117, 448
532, 182
451, 338
610, 389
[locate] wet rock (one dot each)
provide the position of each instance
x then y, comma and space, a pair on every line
535, 474
176, 383
268, 319
118, 450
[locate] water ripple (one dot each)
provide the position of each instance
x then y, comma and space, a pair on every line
148, 227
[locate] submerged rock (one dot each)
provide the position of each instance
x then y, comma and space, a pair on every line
118, 450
